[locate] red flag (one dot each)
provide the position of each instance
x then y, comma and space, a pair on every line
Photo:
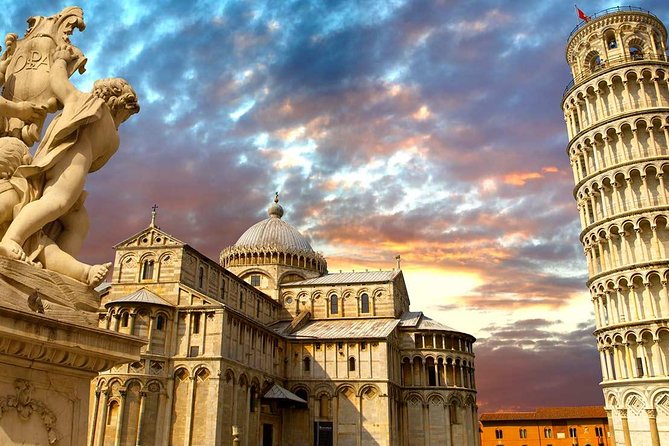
581, 14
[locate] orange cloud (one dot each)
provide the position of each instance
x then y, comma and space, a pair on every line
520, 178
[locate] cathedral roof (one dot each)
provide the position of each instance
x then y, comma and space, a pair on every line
341, 329
418, 321
141, 296
274, 233
349, 277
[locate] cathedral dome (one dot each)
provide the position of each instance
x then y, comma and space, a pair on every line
273, 241
274, 233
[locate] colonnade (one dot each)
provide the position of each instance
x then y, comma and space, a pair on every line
595, 102
426, 372
634, 356
621, 142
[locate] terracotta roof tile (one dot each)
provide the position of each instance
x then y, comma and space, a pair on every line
548, 413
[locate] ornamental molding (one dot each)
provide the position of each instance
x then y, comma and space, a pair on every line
25, 407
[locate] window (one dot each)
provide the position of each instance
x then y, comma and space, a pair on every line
499, 434
523, 433
363, 346
334, 304
255, 279
258, 308
253, 398
160, 322
351, 364
222, 289
340, 345
196, 323
548, 432
599, 431
147, 270
613, 44
200, 278
639, 366
194, 351
124, 319
306, 364
241, 300
364, 303
419, 340
318, 345
572, 432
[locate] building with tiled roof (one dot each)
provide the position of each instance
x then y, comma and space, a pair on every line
269, 348
546, 426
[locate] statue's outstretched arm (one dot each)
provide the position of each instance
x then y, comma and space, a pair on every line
59, 76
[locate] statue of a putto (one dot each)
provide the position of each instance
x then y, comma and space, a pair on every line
43, 219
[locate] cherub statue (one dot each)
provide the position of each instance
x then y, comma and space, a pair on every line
49, 220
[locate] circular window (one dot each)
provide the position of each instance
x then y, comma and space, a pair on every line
158, 239
289, 300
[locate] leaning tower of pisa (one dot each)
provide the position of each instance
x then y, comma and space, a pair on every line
617, 115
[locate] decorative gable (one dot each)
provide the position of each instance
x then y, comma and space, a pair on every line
150, 237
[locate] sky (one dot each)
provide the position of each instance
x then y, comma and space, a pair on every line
427, 129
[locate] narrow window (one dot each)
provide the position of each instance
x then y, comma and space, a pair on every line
639, 366
124, 320
523, 433
334, 304
160, 322
340, 345
318, 345
147, 270
252, 400
196, 323
548, 432
222, 289
255, 279
241, 300
363, 346
572, 432
306, 364
499, 434
200, 278
194, 351
351, 364
419, 340
258, 308
364, 303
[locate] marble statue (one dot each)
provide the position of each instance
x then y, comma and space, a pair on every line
43, 220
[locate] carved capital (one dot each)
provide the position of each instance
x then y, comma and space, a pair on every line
652, 413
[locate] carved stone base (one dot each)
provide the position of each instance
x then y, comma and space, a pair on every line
48, 355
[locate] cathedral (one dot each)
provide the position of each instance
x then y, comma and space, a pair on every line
269, 348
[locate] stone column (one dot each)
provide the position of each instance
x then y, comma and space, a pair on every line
94, 419
628, 96
612, 427
652, 420
121, 413
626, 427
192, 380
133, 321
602, 363
152, 325
140, 420
103, 419
657, 91
447, 424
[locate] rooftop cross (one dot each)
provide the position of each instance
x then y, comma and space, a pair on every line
153, 215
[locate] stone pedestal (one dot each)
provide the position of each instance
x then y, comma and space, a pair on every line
50, 349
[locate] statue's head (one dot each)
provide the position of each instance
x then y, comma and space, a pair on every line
119, 96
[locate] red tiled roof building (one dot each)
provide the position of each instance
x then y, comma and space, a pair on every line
546, 426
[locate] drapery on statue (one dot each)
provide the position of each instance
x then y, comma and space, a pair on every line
42, 201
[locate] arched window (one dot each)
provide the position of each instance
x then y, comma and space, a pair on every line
523, 432
200, 278
160, 322
306, 364
635, 52
124, 319
302, 394
499, 434
147, 270
241, 300
364, 303
334, 304
253, 399
351, 364
112, 412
